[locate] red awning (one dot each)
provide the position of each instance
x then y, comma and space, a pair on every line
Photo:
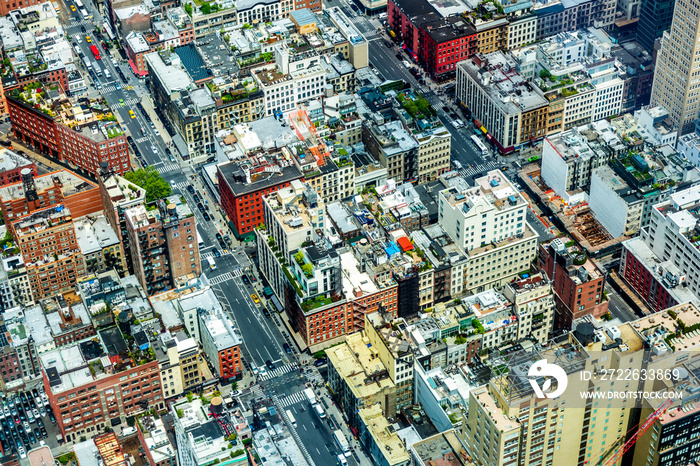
136, 71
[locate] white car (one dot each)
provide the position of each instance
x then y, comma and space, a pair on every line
154, 149
27, 429
155, 131
406, 64
35, 412
172, 183
455, 124
22, 453
79, 40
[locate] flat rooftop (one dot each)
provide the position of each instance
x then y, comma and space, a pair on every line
67, 182
10, 160
497, 74
237, 181
384, 435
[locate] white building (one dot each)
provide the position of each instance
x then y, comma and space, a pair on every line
199, 438
615, 204
443, 397
689, 147
258, 11
655, 126
189, 306
488, 222
608, 98
297, 78
568, 160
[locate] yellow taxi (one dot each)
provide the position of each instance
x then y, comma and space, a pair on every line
256, 300
87, 38
72, 8
131, 114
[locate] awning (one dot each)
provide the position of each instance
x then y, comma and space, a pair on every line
136, 71
277, 303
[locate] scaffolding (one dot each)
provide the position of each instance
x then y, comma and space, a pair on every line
306, 131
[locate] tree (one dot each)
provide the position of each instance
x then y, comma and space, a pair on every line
188, 9
149, 179
180, 413
206, 8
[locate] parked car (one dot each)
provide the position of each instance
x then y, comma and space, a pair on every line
287, 348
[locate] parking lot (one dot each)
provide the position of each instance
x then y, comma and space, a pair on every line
27, 422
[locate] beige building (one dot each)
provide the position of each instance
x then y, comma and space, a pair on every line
677, 66
380, 439
433, 153
359, 379
179, 364
533, 303
395, 352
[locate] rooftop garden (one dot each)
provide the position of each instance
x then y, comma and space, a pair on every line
318, 301
6, 68
150, 180
266, 57
417, 107
306, 267
114, 131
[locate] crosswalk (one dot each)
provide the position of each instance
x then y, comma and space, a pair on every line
113, 87
221, 278
483, 167
278, 371
314, 376
182, 185
294, 398
168, 167
141, 139
82, 22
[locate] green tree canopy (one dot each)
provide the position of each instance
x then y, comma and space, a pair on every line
149, 179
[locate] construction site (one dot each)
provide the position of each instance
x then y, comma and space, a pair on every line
578, 220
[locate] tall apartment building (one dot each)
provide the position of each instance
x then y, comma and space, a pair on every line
292, 217
241, 188
118, 194
221, 343
64, 187
655, 17
488, 222
491, 87
96, 381
163, 243
577, 282
661, 264
46, 239
677, 63
68, 131
553, 19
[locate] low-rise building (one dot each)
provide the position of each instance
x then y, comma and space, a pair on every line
221, 343
376, 436
179, 361
105, 373
358, 379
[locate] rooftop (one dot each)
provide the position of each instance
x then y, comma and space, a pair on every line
93, 236
66, 181
443, 449
497, 73
243, 179
384, 435
9, 160
221, 330
357, 363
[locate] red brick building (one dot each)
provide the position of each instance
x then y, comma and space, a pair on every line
88, 392
221, 343
313, 5
46, 239
650, 286
241, 189
79, 195
444, 43
576, 281
9, 365
7, 6
41, 120
436, 42
55, 75
11, 165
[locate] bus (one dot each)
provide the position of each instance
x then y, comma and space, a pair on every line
291, 418
78, 4
479, 145
96, 52
200, 241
